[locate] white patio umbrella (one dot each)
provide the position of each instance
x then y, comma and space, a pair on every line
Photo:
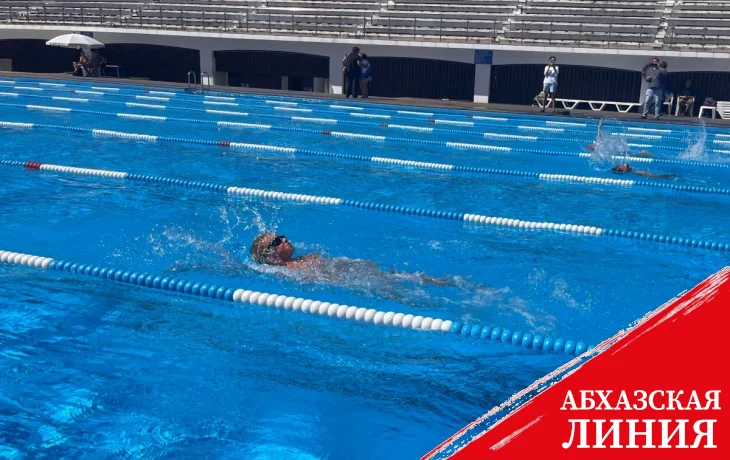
75, 41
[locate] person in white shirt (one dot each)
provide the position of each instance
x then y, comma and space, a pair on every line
550, 82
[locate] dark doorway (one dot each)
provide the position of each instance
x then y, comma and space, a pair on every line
421, 78
520, 83
265, 69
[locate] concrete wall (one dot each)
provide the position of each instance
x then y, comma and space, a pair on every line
335, 49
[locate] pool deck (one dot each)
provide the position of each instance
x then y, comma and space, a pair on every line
427, 103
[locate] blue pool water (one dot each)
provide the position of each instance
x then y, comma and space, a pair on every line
92, 368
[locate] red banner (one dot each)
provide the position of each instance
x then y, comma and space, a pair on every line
653, 391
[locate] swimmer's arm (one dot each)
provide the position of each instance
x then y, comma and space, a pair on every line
644, 153
655, 176
448, 282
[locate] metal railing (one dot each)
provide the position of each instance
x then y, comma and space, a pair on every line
343, 25
192, 82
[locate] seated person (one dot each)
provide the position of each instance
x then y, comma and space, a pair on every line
687, 99
626, 168
81, 68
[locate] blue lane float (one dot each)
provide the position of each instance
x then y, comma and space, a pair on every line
311, 120
568, 178
392, 161
281, 103
314, 116
235, 125
475, 219
282, 302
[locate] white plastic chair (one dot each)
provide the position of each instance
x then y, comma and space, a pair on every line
669, 103
711, 108
676, 111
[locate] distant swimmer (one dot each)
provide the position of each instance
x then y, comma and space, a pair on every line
592, 147
641, 153
626, 168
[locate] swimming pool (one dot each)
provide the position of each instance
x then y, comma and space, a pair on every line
535, 234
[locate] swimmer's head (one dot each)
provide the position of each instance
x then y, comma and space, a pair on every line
591, 147
622, 168
271, 249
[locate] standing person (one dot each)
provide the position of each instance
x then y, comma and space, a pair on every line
97, 63
352, 72
654, 91
664, 82
550, 82
687, 99
366, 75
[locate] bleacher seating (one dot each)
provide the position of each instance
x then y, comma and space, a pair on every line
634, 22
658, 24
436, 19
699, 24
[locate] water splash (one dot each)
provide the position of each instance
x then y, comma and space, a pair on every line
610, 142
224, 254
696, 149
134, 435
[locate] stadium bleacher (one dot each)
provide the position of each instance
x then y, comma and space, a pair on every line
659, 24
699, 24
632, 22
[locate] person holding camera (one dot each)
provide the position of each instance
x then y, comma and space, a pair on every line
655, 92
550, 83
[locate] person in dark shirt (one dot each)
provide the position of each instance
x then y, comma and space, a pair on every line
353, 72
654, 92
687, 99
666, 95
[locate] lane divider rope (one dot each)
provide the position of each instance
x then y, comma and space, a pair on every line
298, 304
285, 101
283, 117
404, 210
456, 145
404, 140
531, 129
383, 160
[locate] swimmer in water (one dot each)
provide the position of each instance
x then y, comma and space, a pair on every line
592, 147
640, 153
626, 168
272, 249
